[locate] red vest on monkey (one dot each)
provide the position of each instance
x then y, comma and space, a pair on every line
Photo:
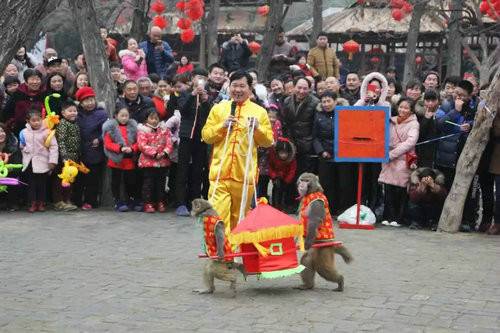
209, 224
325, 229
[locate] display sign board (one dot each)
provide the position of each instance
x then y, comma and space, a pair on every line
361, 134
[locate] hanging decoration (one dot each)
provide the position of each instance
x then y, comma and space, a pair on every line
490, 8
397, 14
351, 47
158, 7
194, 10
184, 23
160, 22
400, 9
263, 10
187, 36
181, 6
254, 47
418, 60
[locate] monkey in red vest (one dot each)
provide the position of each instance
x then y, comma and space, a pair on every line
318, 227
215, 244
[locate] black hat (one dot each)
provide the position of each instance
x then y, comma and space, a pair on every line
10, 79
53, 60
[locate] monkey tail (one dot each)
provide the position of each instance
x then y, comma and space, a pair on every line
344, 253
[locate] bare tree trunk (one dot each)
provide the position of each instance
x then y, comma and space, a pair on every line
468, 162
317, 21
95, 54
212, 33
273, 23
32, 38
454, 46
140, 19
18, 20
97, 66
411, 48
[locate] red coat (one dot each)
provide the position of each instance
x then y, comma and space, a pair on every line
283, 169
111, 145
152, 142
186, 68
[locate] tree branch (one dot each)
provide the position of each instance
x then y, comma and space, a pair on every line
472, 55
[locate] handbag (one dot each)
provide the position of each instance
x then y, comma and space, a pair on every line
410, 156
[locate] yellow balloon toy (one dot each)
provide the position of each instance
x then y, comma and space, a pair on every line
51, 119
70, 171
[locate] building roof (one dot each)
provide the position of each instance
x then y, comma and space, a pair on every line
366, 19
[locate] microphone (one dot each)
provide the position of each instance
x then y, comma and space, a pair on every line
233, 108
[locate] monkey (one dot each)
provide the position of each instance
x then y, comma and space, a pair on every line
318, 227
215, 244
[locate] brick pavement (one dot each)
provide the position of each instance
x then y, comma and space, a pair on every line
103, 271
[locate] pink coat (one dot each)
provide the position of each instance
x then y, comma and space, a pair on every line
34, 150
152, 142
396, 172
133, 71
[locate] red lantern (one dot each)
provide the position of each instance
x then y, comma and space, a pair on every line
397, 14
181, 5
418, 60
350, 47
194, 9
158, 7
483, 7
184, 23
254, 47
187, 36
194, 4
397, 4
375, 60
263, 10
160, 22
407, 8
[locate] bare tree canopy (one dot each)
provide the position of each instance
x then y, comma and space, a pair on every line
16, 23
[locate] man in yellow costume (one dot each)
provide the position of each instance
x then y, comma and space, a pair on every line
237, 116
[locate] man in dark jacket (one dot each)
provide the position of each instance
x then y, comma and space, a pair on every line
457, 121
428, 130
137, 105
216, 79
297, 117
194, 107
235, 54
337, 179
158, 53
351, 89
427, 194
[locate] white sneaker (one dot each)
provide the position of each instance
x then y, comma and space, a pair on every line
395, 224
386, 223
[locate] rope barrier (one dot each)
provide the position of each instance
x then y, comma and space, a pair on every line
437, 139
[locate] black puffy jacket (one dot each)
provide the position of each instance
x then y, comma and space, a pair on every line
187, 106
297, 120
323, 128
138, 109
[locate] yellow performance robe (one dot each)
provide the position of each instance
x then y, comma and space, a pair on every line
228, 193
